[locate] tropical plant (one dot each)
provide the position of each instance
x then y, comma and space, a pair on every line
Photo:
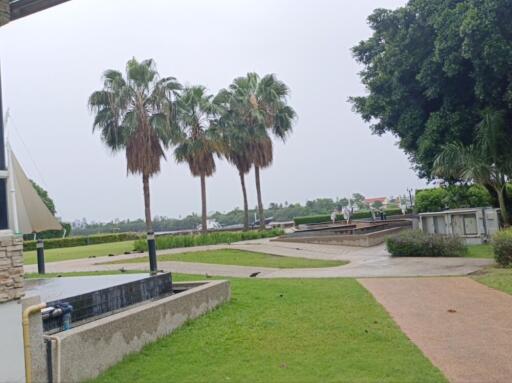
260, 105
235, 142
487, 162
134, 113
196, 138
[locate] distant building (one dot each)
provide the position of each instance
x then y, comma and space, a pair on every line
383, 200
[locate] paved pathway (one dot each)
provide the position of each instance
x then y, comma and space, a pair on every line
364, 262
462, 326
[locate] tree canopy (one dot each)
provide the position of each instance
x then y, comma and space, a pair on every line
432, 68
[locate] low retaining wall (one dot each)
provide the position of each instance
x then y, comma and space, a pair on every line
360, 240
90, 349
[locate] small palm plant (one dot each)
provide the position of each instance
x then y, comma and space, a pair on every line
260, 105
194, 134
134, 113
487, 161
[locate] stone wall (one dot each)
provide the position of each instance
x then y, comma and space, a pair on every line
11, 268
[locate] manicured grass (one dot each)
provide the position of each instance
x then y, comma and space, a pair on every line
54, 255
284, 331
497, 278
480, 251
242, 258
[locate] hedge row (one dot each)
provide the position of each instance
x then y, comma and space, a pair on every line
58, 243
324, 218
190, 240
415, 243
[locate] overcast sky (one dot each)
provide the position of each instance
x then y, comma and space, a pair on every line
52, 61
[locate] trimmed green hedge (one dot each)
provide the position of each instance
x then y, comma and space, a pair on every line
190, 240
502, 246
58, 243
325, 218
415, 243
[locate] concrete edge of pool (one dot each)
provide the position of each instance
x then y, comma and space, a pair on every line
85, 351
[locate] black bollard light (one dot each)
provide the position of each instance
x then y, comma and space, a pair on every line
40, 256
152, 252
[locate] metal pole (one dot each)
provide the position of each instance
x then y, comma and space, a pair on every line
40, 256
4, 221
153, 268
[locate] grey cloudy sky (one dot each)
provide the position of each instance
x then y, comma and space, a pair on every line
52, 62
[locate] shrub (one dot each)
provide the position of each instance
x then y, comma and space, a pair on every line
190, 240
451, 197
502, 246
58, 243
324, 218
415, 243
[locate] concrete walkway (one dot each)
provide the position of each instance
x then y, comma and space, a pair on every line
364, 262
462, 326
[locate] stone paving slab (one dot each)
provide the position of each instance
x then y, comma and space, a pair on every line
462, 326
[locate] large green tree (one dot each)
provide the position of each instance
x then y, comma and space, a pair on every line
431, 68
134, 114
197, 142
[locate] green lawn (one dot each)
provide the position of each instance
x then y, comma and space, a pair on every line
480, 251
497, 278
53, 255
284, 331
242, 258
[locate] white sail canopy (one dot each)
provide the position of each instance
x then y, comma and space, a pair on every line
32, 214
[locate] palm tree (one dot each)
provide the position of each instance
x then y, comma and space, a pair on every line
235, 142
487, 162
195, 137
260, 105
133, 113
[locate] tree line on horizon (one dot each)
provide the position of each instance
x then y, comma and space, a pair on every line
145, 115
278, 211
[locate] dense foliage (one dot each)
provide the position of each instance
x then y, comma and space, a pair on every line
451, 197
502, 246
432, 68
190, 240
415, 243
58, 243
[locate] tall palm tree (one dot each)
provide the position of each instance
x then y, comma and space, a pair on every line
487, 162
196, 140
235, 142
133, 113
260, 105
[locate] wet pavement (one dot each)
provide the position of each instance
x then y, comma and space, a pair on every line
363, 262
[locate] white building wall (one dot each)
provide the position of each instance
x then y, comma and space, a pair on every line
12, 367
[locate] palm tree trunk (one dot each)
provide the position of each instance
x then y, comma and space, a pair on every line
503, 206
204, 214
260, 202
147, 203
246, 205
